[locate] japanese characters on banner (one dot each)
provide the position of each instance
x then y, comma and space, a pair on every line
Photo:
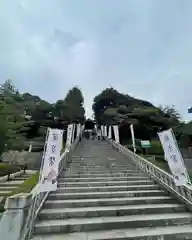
110, 133
116, 133
174, 157
133, 137
69, 136
50, 164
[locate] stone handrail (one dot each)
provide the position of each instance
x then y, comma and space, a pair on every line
182, 193
37, 201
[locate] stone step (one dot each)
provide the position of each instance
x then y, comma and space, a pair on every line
7, 188
11, 183
113, 201
64, 213
20, 178
103, 170
107, 183
99, 161
4, 192
100, 167
106, 188
103, 164
86, 195
152, 233
100, 174
106, 178
121, 222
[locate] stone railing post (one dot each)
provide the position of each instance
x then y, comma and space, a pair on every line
14, 217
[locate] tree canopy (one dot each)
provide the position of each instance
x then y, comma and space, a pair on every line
112, 107
25, 117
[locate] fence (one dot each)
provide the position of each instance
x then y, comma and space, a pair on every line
39, 200
183, 193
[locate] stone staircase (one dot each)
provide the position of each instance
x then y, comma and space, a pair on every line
9, 186
102, 195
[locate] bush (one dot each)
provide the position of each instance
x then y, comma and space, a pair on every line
156, 148
6, 169
138, 149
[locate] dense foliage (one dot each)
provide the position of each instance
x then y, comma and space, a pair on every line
25, 117
112, 107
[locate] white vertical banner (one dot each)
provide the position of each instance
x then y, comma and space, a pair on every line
50, 165
174, 157
69, 136
116, 133
30, 148
82, 130
102, 130
78, 130
96, 128
133, 137
110, 133
105, 131
73, 133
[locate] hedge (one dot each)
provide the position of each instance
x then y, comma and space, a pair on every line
6, 169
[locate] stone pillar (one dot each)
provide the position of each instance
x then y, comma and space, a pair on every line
14, 217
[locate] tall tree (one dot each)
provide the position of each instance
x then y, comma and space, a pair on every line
171, 112
73, 103
112, 107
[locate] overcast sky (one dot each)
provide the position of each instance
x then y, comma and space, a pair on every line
139, 47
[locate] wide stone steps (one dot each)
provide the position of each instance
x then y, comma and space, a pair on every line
103, 196
102, 174
105, 183
120, 194
99, 223
107, 178
156, 233
115, 201
107, 188
11, 183
100, 211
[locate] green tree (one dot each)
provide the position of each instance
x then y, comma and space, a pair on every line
73, 104
112, 107
171, 112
